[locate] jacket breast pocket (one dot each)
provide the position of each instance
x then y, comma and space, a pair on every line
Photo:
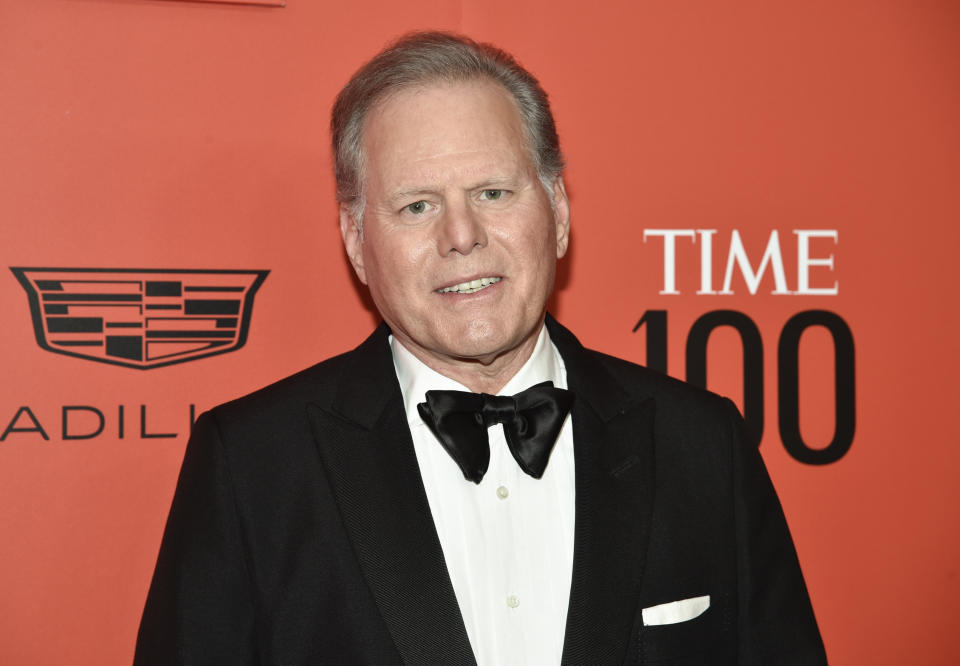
682, 633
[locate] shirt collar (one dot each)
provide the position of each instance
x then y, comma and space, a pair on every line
416, 378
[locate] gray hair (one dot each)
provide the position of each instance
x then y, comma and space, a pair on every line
425, 57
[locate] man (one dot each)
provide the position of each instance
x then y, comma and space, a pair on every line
374, 509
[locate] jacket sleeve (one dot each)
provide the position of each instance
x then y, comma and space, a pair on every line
776, 625
199, 609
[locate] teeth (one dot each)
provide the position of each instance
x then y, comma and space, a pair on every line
471, 286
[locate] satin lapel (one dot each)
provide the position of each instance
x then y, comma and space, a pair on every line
614, 454
368, 455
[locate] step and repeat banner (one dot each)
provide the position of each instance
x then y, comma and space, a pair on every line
765, 202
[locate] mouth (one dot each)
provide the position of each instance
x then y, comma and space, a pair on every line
470, 286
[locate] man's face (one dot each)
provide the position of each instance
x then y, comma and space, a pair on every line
460, 242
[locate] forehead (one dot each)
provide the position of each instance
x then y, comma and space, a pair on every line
435, 129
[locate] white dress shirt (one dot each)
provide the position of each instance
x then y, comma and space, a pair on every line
507, 541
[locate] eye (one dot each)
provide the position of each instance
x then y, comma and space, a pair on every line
492, 195
417, 207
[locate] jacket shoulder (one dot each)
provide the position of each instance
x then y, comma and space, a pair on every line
286, 397
671, 395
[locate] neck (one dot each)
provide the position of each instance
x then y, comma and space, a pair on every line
484, 374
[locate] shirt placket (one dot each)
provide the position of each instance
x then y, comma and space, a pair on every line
508, 592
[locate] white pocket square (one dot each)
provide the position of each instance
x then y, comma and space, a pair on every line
675, 611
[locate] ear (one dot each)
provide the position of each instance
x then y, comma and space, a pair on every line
561, 214
352, 234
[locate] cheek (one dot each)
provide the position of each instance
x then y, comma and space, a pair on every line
539, 241
526, 230
394, 266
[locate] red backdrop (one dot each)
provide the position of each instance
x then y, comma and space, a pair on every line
177, 135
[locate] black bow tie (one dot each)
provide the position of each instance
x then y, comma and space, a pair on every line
531, 422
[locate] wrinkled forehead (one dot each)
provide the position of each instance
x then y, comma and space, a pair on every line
427, 118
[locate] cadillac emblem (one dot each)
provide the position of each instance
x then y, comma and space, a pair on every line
140, 317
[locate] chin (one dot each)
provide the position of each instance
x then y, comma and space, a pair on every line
486, 343
467, 349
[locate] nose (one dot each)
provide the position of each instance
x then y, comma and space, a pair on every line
460, 230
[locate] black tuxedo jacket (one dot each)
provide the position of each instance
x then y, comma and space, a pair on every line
300, 532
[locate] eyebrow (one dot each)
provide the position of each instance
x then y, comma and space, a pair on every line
490, 183
409, 194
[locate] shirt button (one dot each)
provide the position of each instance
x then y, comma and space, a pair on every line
513, 601
502, 492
